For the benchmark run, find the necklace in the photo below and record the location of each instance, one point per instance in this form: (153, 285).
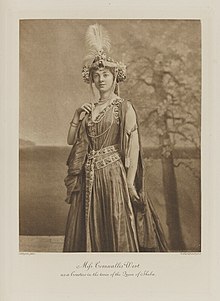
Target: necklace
(102, 101)
(100, 114)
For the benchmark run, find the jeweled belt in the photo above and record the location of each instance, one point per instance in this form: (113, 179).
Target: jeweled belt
(105, 150)
(106, 161)
(95, 160)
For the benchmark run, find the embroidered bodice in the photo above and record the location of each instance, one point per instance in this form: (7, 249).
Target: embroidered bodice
(104, 129)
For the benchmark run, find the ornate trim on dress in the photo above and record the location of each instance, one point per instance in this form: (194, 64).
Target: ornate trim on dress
(115, 102)
(93, 163)
(116, 108)
(89, 170)
(106, 161)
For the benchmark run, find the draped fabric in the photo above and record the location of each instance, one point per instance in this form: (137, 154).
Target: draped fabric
(113, 223)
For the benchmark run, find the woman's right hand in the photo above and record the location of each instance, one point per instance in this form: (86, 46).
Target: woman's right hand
(86, 107)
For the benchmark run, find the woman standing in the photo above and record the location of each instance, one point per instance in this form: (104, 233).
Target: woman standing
(108, 211)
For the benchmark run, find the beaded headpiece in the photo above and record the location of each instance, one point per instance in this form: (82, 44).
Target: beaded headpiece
(98, 43)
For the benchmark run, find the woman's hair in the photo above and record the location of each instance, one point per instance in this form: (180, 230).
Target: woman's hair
(92, 70)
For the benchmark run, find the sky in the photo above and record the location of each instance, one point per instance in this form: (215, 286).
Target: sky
(50, 64)
(51, 85)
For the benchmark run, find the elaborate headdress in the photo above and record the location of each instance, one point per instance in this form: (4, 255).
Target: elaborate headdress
(98, 43)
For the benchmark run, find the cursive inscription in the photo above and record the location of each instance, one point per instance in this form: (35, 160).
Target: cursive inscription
(127, 269)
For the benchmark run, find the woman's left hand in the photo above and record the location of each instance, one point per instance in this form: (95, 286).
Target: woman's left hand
(135, 199)
(132, 192)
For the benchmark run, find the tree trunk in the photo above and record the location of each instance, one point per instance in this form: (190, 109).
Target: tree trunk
(169, 178)
(171, 199)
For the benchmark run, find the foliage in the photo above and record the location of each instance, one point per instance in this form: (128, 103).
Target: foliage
(164, 77)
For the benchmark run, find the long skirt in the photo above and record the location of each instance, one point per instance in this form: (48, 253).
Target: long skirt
(110, 226)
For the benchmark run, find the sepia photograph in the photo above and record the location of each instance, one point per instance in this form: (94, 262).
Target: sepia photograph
(110, 150)
(109, 135)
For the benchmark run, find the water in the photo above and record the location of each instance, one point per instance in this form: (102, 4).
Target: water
(42, 210)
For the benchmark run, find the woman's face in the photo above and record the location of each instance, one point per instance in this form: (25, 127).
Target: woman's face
(103, 79)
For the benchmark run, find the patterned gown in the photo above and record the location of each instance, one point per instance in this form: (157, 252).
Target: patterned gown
(102, 219)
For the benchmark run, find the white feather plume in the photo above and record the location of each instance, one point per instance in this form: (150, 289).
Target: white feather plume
(97, 39)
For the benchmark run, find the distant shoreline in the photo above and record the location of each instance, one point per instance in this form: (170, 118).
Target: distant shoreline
(149, 152)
